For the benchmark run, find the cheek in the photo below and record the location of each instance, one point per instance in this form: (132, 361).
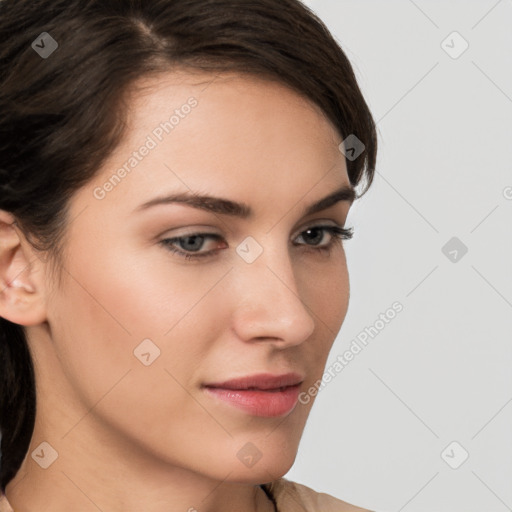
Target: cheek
(97, 326)
(326, 291)
(117, 312)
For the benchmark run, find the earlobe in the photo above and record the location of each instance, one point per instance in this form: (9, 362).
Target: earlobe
(21, 294)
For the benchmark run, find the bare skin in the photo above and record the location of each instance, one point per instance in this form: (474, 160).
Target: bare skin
(132, 437)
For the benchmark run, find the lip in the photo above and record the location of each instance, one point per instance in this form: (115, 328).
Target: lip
(261, 394)
(261, 381)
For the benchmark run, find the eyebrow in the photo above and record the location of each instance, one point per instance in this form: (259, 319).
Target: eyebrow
(242, 210)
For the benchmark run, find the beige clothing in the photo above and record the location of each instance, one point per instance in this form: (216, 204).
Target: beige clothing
(293, 497)
(289, 497)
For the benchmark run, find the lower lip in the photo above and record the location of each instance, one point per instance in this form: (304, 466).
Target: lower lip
(258, 402)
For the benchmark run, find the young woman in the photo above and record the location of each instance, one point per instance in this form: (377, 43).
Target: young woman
(175, 180)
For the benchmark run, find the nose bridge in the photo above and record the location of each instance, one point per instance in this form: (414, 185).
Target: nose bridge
(269, 304)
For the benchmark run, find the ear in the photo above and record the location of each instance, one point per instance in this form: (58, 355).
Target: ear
(22, 291)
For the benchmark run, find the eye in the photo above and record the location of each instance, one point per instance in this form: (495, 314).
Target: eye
(337, 234)
(190, 245)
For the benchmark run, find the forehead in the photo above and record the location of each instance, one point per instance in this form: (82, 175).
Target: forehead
(235, 98)
(226, 135)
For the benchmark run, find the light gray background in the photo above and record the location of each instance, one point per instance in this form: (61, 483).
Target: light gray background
(440, 371)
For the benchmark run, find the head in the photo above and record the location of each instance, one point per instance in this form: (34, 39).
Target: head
(104, 330)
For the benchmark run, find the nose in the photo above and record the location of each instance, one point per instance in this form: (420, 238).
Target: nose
(267, 302)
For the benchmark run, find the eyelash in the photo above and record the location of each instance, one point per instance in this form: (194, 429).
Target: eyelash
(337, 233)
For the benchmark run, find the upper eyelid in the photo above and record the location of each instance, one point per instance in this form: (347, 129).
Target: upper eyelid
(306, 226)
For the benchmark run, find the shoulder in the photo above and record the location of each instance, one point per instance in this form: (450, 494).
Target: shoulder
(291, 495)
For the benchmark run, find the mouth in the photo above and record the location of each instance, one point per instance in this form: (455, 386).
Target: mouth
(261, 381)
(263, 395)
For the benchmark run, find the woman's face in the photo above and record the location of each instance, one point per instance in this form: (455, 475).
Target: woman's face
(137, 330)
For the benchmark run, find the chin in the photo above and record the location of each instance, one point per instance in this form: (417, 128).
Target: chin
(261, 462)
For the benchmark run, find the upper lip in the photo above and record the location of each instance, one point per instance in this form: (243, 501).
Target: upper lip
(260, 381)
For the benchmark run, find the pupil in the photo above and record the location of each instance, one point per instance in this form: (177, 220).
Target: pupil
(317, 231)
(195, 246)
